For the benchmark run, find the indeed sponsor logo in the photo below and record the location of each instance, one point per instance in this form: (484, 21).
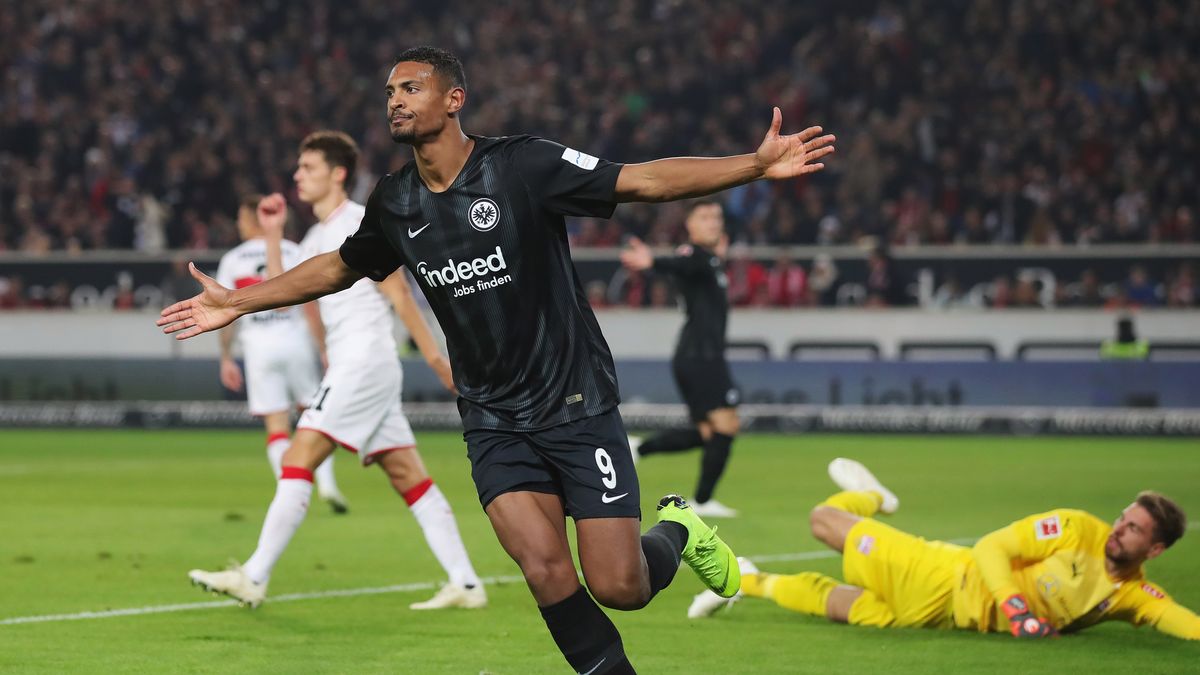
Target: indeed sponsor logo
(456, 272)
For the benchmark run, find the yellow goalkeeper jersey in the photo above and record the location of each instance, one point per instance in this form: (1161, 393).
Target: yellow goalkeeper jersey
(1056, 560)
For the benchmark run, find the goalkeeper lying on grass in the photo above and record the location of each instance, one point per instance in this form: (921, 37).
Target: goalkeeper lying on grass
(1050, 573)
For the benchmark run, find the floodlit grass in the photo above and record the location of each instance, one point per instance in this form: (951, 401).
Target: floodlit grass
(100, 520)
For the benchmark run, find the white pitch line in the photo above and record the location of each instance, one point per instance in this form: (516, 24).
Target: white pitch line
(376, 590)
(287, 597)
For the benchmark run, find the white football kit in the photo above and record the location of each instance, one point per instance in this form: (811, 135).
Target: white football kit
(281, 363)
(357, 405)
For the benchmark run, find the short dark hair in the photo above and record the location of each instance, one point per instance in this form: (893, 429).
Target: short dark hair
(445, 64)
(250, 201)
(696, 204)
(1169, 519)
(339, 150)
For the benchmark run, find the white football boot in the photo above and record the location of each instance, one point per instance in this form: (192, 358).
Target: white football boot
(854, 477)
(706, 603)
(453, 595)
(713, 509)
(336, 501)
(232, 582)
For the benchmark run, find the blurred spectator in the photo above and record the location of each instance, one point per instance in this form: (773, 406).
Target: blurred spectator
(1140, 290)
(885, 286)
(137, 125)
(823, 281)
(1025, 295)
(787, 283)
(1085, 293)
(1182, 290)
(12, 294)
(59, 295)
(747, 278)
(660, 295)
(1000, 295)
(597, 294)
(123, 299)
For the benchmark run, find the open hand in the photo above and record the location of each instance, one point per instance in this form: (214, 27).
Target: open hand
(637, 255)
(793, 155)
(210, 310)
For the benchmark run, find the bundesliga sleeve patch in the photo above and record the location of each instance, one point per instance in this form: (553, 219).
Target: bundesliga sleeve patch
(866, 544)
(579, 159)
(1153, 592)
(1047, 528)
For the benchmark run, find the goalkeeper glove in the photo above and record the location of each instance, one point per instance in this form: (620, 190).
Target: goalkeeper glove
(1022, 622)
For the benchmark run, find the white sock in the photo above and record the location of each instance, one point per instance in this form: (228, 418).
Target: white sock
(277, 444)
(326, 482)
(287, 511)
(433, 513)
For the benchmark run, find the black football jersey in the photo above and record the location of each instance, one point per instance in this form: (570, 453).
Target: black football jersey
(490, 253)
(699, 274)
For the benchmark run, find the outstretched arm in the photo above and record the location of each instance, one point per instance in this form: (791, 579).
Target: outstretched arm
(397, 290)
(777, 158)
(1179, 621)
(217, 306)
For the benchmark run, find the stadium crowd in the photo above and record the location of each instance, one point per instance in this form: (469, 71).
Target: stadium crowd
(782, 283)
(138, 125)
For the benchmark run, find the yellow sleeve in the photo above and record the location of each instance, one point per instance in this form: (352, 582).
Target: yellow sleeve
(1149, 605)
(1029, 539)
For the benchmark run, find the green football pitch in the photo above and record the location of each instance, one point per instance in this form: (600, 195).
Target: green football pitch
(92, 522)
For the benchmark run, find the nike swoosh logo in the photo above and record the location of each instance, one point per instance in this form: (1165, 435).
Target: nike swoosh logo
(413, 233)
(608, 500)
(601, 660)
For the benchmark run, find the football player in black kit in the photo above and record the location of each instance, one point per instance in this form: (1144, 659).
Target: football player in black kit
(479, 222)
(699, 365)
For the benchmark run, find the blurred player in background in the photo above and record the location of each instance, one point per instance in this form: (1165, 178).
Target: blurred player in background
(481, 223)
(1050, 573)
(699, 365)
(281, 363)
(358, 403)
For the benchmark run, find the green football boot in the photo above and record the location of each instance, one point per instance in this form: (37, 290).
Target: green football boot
(708, 556)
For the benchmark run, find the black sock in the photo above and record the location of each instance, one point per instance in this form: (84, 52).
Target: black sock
(674, 440)
(585, 636)
(716, 456)
(662, 546)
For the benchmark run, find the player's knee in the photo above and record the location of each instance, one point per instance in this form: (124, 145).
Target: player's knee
(725, 422)
(404, 467)
(728, 427)
(298, 455)
(820, 521)
(620, 591)
(546, 573)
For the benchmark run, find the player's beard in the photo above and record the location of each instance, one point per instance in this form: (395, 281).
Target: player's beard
(1121, 558)
(407, 137)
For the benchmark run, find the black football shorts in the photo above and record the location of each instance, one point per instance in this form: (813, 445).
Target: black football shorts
(705, 386)
(586, 462)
